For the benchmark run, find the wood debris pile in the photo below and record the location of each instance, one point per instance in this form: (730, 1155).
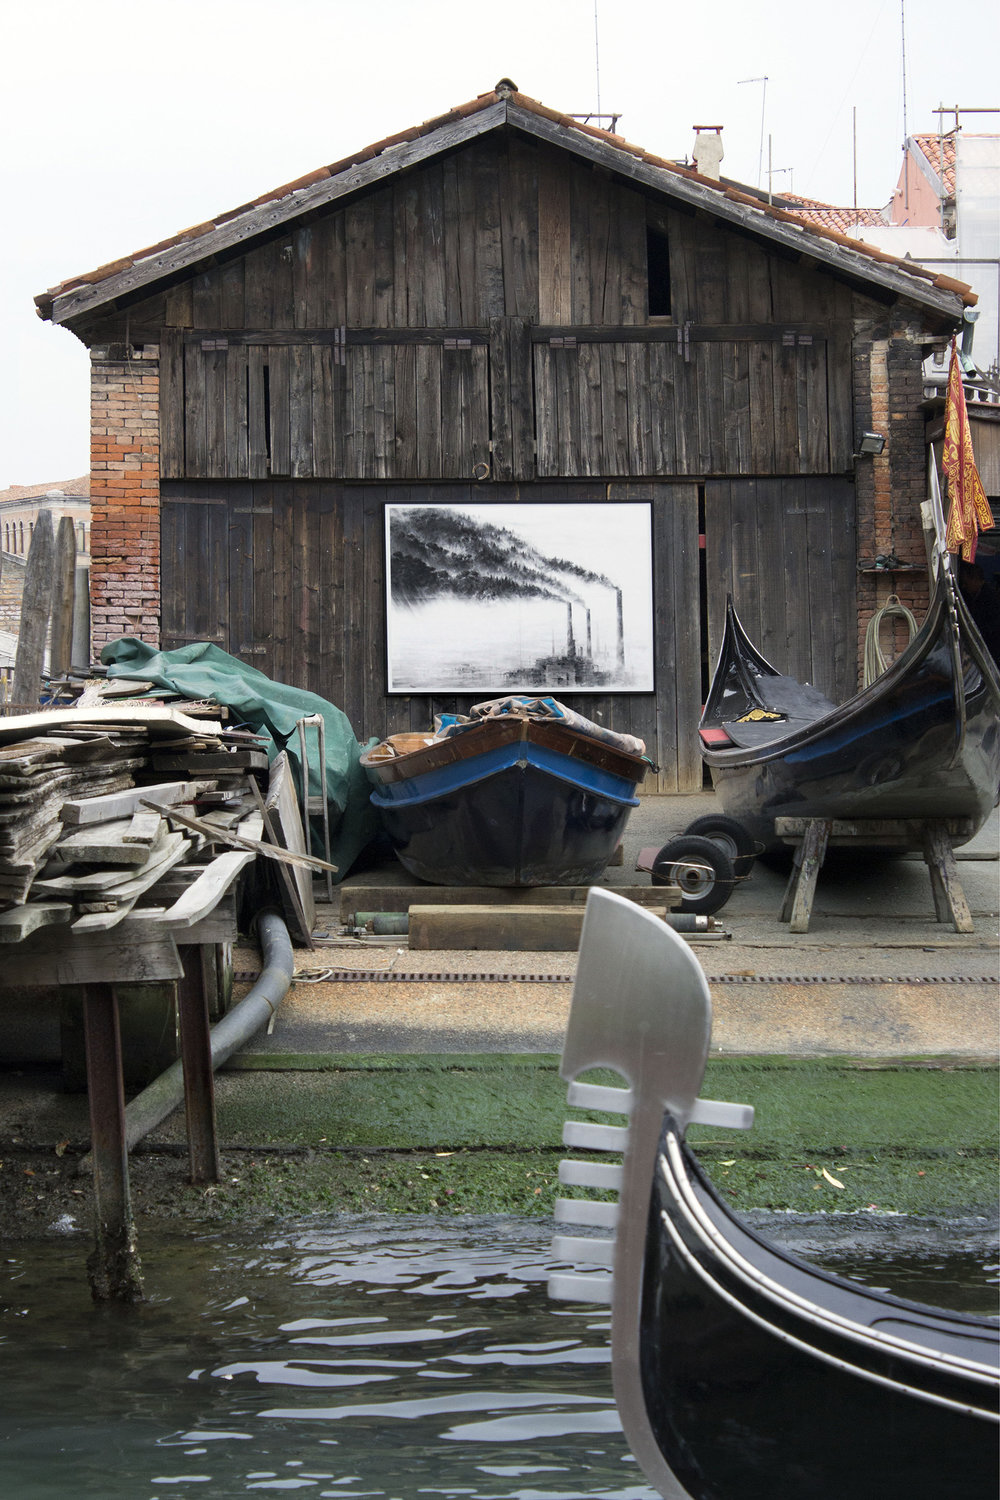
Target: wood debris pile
(78, 842)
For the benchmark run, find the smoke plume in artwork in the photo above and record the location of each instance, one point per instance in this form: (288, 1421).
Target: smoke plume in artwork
(478, 598)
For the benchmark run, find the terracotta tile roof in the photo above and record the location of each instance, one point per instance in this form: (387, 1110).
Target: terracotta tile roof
(828, 217)
(74, 489)
(940, 151)
(571, 126)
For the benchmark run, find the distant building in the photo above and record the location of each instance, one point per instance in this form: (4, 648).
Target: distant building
(21, 503)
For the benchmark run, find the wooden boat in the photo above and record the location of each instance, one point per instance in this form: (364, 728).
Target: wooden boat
(921, 742)
(740, 1371)
(510, 799)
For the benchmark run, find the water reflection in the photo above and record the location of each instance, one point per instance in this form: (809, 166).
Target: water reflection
(389, 1358)
(349, 1357)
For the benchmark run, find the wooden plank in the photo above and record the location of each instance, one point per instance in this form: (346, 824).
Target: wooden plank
(399, 898)
(63, 598)
(20, 921)
(172, 404)
(118, 884)
(428, 397)
(518, 187)
(301, 457)
(238, 841)
(284, 829)
(237, 420)
(195, 411)
(143, 828)
(359, 256)
(490, 299)
(262, 636)
(36, 604)
(279, 410)
(946, 888)
(57, 955)
(535, 929)
(796, 908)
(83, 811)
(555, 290)
(109, 843)
(204, 894)
(258, 434)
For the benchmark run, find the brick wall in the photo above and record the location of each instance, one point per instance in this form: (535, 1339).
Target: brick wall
(124, 494)
(890, 487)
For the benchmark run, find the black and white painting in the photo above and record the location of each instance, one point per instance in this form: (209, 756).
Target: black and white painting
(519, 598)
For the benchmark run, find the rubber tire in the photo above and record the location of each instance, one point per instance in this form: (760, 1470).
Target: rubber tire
(705, 889)
(732, 836)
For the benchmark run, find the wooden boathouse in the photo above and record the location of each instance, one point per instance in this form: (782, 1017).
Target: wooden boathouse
(504, 306)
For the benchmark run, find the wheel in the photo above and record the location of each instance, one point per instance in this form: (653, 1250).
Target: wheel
(701, 868)
(731, 836)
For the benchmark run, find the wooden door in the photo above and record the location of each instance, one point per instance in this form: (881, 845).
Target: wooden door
(786, 550)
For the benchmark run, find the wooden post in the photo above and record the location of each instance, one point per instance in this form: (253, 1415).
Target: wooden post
(796, 908)
(63, 598)
(196, 1058)
(113, 1268)
(36, 604)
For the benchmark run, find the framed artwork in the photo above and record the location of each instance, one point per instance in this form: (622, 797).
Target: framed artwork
(534, 598)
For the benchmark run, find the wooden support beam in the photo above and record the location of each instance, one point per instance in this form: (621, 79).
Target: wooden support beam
(196, 1060)
(36, 604)
(400, 898)
(536, 929)
(113, 1268)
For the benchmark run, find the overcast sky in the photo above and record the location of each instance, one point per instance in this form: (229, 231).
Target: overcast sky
(124, 121)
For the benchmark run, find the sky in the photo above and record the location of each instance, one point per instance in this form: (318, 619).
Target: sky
(125, 121)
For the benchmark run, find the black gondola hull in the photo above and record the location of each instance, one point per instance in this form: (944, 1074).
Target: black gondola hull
(755, 1393)
(922, 742)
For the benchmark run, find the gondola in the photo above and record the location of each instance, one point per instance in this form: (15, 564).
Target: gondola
(740, 1371)
(523, 792)
(921, 742)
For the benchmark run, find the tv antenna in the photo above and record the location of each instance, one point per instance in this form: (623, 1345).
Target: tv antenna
(763, 101)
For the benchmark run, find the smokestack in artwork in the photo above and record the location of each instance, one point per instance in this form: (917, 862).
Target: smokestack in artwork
(621, 629)
(570, 643)
(590, 654)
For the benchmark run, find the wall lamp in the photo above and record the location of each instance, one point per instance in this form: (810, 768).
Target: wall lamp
(870, 445)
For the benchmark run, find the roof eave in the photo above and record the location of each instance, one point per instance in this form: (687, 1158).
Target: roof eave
(864, 266)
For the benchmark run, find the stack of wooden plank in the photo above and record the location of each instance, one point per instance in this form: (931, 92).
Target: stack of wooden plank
(79, 841)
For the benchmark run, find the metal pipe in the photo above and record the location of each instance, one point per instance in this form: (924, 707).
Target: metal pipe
(256, 1008)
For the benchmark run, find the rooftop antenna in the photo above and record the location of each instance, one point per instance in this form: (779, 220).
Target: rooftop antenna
(597, 60)
(595, 114)
(763, 100)
(906, 155)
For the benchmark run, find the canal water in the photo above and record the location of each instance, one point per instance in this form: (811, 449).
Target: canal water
(381, 1357)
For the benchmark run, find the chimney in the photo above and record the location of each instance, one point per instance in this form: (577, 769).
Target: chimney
(708, 151)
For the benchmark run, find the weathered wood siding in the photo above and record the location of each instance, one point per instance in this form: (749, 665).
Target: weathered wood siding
(499, 297)
(786, 550)
(290, 577)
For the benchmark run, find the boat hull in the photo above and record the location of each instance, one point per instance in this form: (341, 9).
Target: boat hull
(922, 742)
(524, 803)
(739, 1370)
(787, 1381)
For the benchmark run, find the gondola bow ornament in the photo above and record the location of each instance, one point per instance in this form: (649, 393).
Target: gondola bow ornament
(728, 1353)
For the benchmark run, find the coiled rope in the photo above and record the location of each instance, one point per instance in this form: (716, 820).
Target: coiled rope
(875, 662)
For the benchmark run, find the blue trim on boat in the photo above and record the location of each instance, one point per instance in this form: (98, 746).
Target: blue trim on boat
(464, 773)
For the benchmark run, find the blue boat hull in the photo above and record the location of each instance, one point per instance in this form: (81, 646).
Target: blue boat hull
(519, 814)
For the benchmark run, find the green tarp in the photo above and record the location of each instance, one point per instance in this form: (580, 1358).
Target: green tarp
(271, 709)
